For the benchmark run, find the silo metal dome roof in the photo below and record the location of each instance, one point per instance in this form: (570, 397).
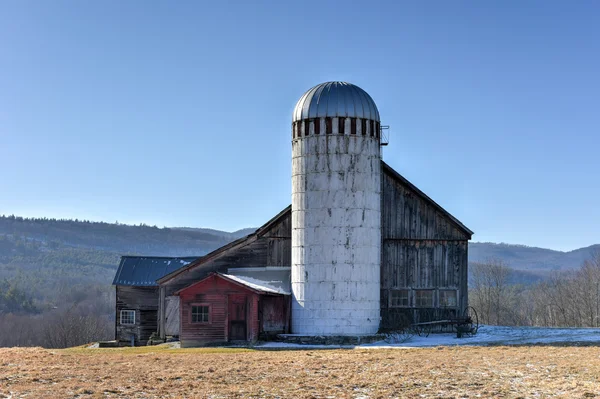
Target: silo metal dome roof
(335, 99)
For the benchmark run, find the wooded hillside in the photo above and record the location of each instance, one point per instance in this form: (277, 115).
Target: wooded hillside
(60, 270)
(44, 260)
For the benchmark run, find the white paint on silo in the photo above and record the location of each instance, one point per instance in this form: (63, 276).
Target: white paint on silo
(336, 216)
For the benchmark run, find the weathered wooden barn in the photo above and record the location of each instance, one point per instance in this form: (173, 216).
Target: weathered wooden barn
(423, 268)
(424, 260)
(137, 295)
(361, 249)
(224, 308)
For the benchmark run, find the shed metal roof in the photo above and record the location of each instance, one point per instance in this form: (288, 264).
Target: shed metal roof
(256, 284)
(143, 271)
(253, 284)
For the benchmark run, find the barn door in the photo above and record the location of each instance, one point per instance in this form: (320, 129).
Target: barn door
(237, 318)
(172, 315)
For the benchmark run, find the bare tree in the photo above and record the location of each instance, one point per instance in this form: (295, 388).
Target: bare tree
(79, 323)
(490, 291)
(565, 299)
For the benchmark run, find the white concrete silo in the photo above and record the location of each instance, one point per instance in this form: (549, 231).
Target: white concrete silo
(336, 215)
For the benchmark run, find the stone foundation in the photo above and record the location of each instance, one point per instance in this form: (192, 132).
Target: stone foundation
(330, 339)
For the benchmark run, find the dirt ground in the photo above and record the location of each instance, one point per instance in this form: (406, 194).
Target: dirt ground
(443, 372)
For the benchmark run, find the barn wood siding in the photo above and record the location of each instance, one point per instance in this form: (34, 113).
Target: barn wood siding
(408, 216)
(144, 300)
(423, 264)
(197, 334)
(217, 293)
(274, 315)
(172, 314)
(422, 248)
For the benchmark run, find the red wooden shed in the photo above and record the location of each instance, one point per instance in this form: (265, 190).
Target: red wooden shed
(224, 308)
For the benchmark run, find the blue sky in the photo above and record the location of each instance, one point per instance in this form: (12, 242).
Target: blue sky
(178, 113)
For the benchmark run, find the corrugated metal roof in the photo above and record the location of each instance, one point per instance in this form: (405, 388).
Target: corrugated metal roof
(335, 99)
(143, 271)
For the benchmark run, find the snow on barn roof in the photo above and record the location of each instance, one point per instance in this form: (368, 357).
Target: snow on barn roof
(255, 284)
(143, 271)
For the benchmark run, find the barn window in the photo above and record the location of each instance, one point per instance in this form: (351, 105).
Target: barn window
(399, 298)
(200, 314)
(448, 298)
(424, 298)
(127, 317)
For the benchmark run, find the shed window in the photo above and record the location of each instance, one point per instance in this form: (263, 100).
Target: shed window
(127, 317)
(448, 298)
(424, 298)
(200, 314)
(399, 298)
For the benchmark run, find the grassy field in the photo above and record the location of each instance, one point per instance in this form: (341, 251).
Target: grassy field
(443, 372)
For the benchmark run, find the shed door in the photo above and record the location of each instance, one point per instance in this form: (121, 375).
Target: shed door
(237, 318)
(172, 315)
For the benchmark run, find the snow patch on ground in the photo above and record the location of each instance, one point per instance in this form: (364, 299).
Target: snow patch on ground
(499, 335)
(487, 335)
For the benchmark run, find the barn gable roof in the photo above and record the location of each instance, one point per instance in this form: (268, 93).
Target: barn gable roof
(241, 242)
(249, 283)
(387, 169)
(143, 271)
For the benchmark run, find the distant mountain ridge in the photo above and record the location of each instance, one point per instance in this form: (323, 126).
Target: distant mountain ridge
(119, 238)
(231, 236)
(532, 259)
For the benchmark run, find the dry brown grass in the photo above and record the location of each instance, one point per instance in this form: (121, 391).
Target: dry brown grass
(456, 372)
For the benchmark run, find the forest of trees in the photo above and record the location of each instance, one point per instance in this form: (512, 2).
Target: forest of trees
(563, 299)
(87, 319)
